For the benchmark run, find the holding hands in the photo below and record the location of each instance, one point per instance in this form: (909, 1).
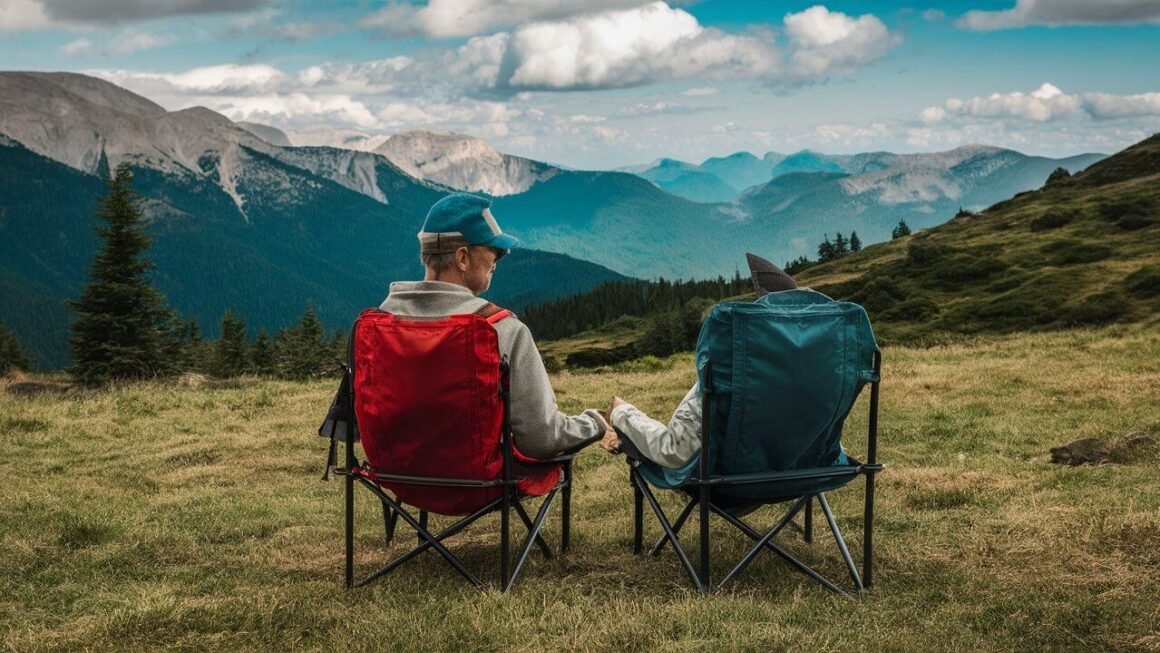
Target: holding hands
(611, 441)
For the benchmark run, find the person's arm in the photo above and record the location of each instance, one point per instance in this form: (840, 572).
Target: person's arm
(539, 428)
(672, 446)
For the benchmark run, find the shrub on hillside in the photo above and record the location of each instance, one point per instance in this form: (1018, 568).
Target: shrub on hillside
(1100, 308)
(963, 270)
(912, 310)
(1073, 252)
(925, 253)
(879, 295)
(1144, 283)
(1051, 220)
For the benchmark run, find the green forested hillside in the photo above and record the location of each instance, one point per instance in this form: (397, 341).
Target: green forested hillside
(301, 239)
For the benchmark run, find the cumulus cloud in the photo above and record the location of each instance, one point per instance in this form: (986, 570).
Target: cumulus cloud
(1063, 12)
(824, 41)
(457, 18)
(1048, 103)
(933, 15)
(701, 91)
(628, 48)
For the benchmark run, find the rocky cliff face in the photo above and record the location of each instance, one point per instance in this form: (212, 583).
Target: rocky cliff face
(463, 162)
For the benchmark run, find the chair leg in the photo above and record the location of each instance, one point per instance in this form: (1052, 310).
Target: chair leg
(533, 535)
(808, 521)
(349, 528)
(868, 533)
(706, 580)
(566, 510)
(677, 525)
(422, 522)
(825, 505)
(504, 537)
(637, 513)
(390, 519)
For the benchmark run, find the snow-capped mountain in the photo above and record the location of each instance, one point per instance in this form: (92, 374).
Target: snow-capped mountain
(463, 162)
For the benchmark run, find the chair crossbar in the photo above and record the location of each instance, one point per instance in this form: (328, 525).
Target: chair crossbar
(394, 509)
(430, 541)
(669, 532)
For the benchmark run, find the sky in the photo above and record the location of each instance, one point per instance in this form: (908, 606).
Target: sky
(606, 83)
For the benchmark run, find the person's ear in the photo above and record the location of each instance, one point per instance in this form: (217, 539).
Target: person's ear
(462, 259)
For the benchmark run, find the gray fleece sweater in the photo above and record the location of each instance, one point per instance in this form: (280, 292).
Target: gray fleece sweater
(539, 428)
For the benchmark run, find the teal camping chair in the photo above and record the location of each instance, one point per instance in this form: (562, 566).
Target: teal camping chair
(778, 377)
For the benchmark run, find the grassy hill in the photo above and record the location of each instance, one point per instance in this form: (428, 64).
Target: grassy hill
(1081, 251)
(213, 531)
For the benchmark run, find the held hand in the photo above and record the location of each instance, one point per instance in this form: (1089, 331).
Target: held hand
(610, 442)
(616, 401)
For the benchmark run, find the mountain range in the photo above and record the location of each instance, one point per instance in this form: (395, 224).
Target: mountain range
(241, 220)
(236, 222)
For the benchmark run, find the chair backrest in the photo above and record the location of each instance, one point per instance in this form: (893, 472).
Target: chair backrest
(428, 404)
(783, 373)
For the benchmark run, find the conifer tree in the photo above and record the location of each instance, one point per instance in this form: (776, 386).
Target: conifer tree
(230, 352)
(826, 250)
(303, 351)
(262, 355)
(901, 230)
(120, 317)
(841, 247)
(12, 355)
(855, 242)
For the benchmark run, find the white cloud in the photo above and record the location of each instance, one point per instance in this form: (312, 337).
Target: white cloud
(1063, 12)
(294, 108)
(933, 15)
(825, 41)
(229, 79)
(125, 42)
(1046, 104)
(457, 18)
(17, 15)
(583, 117)
(702, 91)
(628, 48)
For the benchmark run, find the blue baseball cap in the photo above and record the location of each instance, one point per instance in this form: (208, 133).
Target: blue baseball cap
(459, 220)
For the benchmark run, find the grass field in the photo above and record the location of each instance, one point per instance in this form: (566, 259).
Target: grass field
(191, 516)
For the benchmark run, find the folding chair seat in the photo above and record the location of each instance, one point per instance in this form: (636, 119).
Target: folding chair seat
(429, 401)
(778, 378)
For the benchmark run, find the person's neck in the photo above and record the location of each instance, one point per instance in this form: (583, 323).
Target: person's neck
(446, 276)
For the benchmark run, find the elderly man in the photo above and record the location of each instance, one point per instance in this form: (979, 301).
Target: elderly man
(460, 244)
(673, 446)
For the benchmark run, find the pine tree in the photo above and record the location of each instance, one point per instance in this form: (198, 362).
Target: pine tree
(303, 351)
(230, 352)
(855, 242)
(12, 355)
(901, 230)
(825, 250)
(841, 247)
(262, 355)
(120, 317)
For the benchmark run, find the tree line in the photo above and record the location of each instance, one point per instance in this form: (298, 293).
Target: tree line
(124, 328)
(608, 301)
(832, 250)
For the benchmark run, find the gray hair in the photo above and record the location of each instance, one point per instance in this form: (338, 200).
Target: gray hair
(438, 261)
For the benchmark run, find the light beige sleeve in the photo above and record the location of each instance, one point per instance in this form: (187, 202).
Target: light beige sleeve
(672, 446)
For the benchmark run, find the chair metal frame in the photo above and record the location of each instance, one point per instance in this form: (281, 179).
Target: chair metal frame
(700, 487)
(509, 502)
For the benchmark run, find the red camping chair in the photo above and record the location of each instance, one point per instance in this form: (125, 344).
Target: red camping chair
(431, 398)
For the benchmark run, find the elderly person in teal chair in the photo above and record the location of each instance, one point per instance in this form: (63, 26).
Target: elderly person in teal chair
(675, 445)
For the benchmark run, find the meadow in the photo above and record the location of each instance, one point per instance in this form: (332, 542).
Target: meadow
(189, 515)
